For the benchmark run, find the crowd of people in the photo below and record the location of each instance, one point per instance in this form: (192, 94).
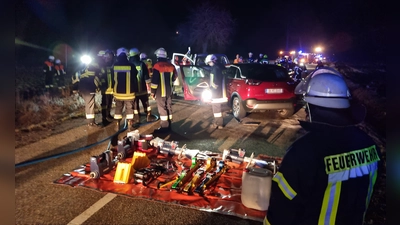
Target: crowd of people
(262, 59)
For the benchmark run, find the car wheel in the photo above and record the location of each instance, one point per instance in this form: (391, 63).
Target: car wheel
(238, 110)
(285, 113)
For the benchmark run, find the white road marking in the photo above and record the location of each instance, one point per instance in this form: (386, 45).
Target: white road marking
(92, 209)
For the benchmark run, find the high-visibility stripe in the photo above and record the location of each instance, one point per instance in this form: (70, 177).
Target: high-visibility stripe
(164, 118)
(89, 116)
(128, 82)
(162, 81)
(266, 222)
(153, 86)
(135, 111)
(217, 114)
(117, 116)
(286, 189)
(372, 180)
(330, 203)
(149, 109)
(129, 116)
(170, 117)
(122, 68)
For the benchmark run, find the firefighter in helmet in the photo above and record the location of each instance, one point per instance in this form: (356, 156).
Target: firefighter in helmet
(106, 87)
(49, 73)
(164, 75)
(143, 81)
(89, 84)
(217, 85)
(125, 87)
(342, 160)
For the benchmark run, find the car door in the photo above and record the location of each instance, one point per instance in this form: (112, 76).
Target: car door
(178, 82)
(232, 81)
(195, 79)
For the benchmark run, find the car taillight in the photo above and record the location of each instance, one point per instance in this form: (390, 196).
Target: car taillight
(252, 82)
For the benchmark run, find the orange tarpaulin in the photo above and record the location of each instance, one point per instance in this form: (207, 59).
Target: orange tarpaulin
(223, 196)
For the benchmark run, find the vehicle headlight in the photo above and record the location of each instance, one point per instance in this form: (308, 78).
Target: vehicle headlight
(206, 95)
(86, 59)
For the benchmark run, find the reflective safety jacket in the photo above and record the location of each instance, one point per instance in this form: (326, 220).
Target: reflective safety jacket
(149, 65)
(48, 68)
(142, 76)
(125, 82)
(326, 177)
(89, 81)
(164, 75)
(59, 70)
(217, 83)
(106, 78)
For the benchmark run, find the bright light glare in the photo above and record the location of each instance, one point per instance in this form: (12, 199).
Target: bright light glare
(86, 59)
(206, 95)
(318, 49)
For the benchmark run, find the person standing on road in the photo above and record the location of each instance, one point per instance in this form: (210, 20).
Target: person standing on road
(328, 175)
(143, 81)
(125, 86)
(89, 84)
(217, 84)
(164, 75)
(106, 87)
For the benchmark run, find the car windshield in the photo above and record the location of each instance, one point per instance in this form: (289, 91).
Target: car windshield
(264, 72)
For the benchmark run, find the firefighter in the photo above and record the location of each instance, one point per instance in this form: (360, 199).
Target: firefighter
(164, 75)
(60, 76)
(89, 84)
(49, 73)
(143, 82)
(106, 86)
(125, 87)
(264, 60)
(149, 64)
(328, 175)
(217, 85)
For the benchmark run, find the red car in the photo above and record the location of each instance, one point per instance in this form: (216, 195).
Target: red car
(253, 87)
(250, 87)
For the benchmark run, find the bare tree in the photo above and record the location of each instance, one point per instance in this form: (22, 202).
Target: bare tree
(208, 27)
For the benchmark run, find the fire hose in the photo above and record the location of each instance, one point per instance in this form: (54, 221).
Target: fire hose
(55, 156)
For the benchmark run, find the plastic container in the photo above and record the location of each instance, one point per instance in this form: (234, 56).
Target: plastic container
(256, 188)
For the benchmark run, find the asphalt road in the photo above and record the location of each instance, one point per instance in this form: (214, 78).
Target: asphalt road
(39, 201)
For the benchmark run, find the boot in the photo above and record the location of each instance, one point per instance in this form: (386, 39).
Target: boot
(117, 125)
(130, 125)
(149, 118)
(92, 124)
(136, 118)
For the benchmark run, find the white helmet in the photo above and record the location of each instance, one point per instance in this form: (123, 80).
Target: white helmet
(143, 55)
(122, 50)
(325, 88)
(58, 61)
(161, 53)
(134, 51)
(51, 57)
(210, 58)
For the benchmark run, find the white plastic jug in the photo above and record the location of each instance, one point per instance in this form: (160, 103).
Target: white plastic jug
(256, 188)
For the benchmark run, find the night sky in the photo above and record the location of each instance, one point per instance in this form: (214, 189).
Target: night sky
(343, 28)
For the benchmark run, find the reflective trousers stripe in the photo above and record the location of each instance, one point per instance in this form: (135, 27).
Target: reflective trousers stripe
(266, 222)
(117, 116)
(129, 116)
(89, 116)
(330, 203)
(217, 114)
(372, 180)
(165, 118)
(286, 189)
